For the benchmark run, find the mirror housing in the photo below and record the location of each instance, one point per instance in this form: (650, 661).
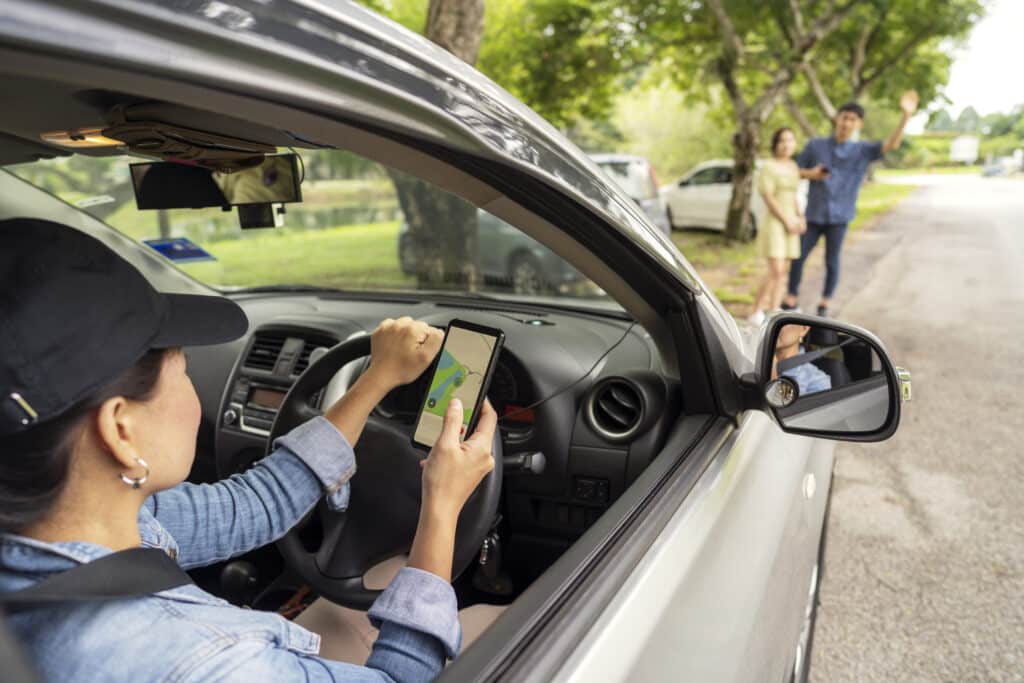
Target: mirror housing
(823, 378)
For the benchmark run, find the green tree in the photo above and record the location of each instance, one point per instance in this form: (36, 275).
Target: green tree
(563, 58)
(882, 48)
(940, 121)
(969, 121)
(442, 227)
(753, 50)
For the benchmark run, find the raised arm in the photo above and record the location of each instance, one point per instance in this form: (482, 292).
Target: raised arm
(908, 105)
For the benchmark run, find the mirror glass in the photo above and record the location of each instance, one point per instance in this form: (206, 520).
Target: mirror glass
(173, 185)
(827, 380)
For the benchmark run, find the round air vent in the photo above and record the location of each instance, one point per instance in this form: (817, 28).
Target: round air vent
(615, 409)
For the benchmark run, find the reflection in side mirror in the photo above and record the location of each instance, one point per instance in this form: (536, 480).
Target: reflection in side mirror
(827, 379)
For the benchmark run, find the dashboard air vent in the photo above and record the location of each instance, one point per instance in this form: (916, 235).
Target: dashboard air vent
(264, 351)
(311, 343)
(616, 409)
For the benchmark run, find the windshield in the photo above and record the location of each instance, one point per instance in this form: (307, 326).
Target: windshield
(359, 226)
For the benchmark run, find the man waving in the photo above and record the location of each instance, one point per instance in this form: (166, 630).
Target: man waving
(836, 166)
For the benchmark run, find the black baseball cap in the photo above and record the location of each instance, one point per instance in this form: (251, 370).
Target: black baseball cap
(74, 315)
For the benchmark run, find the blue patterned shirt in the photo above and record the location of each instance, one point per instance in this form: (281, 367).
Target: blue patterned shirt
(833, 201)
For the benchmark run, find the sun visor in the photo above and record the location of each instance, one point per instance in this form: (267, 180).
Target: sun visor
(16, 150)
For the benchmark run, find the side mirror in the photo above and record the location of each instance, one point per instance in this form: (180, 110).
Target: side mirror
(827, 379)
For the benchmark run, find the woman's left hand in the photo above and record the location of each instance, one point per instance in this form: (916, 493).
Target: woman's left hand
(402, 349)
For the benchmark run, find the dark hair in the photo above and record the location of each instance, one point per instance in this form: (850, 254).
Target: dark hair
(777, 135)
(34, 464)
(852, 107)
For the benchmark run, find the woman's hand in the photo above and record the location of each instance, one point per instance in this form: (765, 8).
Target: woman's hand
(400, 350)
(796, 225)
(450, 474)
(454, 468)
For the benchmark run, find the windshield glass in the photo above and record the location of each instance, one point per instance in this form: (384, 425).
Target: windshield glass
(359, 226)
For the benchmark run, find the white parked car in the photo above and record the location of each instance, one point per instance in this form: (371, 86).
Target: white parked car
(700, 199)
(636, 177)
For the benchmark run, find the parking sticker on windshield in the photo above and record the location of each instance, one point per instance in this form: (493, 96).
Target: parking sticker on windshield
(180, 250)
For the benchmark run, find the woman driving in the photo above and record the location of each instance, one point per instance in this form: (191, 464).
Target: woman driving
(98, 426)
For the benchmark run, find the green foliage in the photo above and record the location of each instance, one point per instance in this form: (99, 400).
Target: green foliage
(1003, 145)
(411, 14)
(939, 121)
(563, 58)
(658, 123)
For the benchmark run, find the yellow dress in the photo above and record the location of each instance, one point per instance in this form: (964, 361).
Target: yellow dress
(780, 180)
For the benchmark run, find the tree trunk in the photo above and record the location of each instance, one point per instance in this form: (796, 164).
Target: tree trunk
(746, 142)
(798, 115)
(442, 235)
(443, 227)
(457, 26)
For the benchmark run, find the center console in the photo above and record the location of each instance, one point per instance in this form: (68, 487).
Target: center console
(267, 368)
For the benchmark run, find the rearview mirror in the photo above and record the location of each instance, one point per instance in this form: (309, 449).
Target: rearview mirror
(173, 185)
(824, 378)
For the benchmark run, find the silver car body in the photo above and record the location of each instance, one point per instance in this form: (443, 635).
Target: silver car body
(703, 572)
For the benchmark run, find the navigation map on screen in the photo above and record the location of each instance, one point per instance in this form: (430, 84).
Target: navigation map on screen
(460, 373)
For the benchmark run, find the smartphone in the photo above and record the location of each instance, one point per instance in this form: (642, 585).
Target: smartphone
(462, 370)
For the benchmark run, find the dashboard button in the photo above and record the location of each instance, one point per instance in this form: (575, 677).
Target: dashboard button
(230, 416)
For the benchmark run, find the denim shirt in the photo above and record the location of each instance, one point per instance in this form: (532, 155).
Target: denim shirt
(187, 634)
(833, 201)
(809, 378)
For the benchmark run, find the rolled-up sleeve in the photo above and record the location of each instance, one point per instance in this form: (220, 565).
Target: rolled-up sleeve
(325, 451)
(420, 601)
(213, 522)
(419, 628)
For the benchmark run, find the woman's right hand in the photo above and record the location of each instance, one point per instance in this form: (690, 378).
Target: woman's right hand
(454, 468)
(796, 225)
(450, 473)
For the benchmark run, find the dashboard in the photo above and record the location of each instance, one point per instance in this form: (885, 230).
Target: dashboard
(596, 431)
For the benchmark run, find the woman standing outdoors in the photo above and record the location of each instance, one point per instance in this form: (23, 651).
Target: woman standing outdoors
(778, 240)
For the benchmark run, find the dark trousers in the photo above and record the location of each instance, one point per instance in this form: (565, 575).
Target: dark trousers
(834, 234)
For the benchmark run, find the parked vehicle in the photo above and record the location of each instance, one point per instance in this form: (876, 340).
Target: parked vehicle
(508, 257)
(662, 475)
(700, 199)
(636, 177)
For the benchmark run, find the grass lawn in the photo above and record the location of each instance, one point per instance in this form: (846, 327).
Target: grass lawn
(934, 170)
(733, 270)
(352, 256)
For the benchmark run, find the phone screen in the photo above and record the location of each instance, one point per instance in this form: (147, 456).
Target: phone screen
(463, 370)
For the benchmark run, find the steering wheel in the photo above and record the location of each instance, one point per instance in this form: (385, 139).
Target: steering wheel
(385, 496)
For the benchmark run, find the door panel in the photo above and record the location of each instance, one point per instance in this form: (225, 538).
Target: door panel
(720, 595)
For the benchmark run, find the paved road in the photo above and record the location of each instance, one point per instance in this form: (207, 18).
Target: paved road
(924, 577)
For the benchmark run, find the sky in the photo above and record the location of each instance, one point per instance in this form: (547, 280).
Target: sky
(986, 73)
(979, 74)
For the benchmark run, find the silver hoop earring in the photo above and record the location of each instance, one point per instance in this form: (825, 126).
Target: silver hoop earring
(136, 482)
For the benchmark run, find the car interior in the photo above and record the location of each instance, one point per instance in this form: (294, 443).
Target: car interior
(584, 397)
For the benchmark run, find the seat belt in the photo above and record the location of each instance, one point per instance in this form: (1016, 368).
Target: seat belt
(130, 573)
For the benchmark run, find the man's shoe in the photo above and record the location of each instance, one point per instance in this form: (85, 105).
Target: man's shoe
(791, 309)
(822, 311)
